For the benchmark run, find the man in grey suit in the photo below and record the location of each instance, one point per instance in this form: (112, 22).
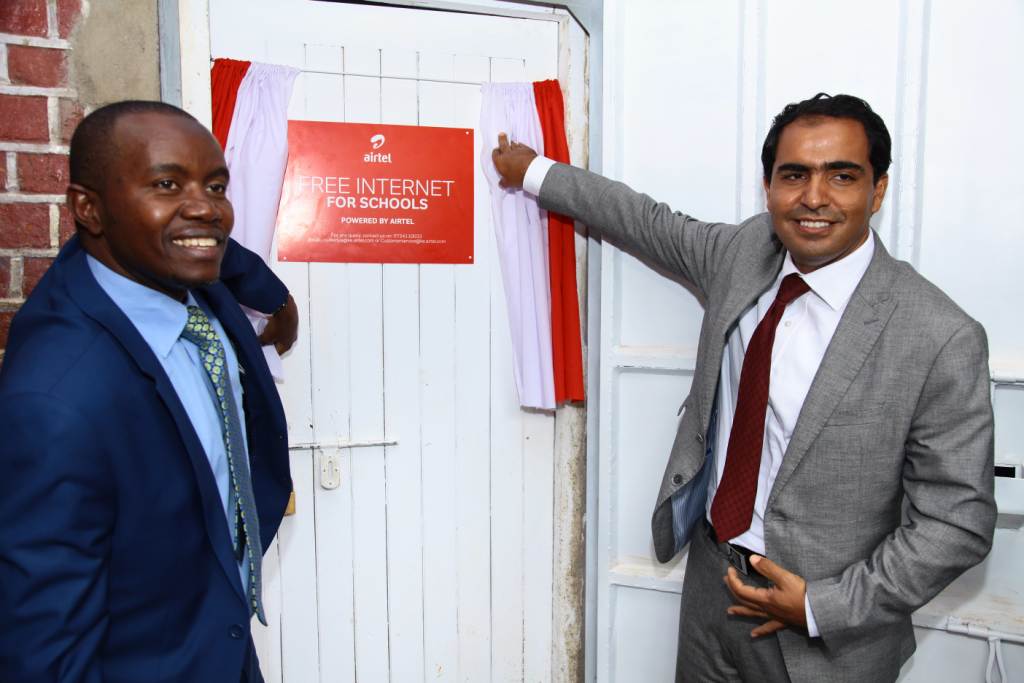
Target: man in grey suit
(834, 460)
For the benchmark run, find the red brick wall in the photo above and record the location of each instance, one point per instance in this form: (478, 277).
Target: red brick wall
(38, 110)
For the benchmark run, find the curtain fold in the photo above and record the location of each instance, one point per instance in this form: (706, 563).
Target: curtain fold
(256, 151)
(522, 243)
(566, 340)
(225, 77)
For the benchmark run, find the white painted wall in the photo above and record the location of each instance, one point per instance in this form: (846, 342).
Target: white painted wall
(690, 89)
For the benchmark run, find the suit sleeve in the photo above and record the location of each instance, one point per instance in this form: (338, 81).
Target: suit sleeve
(250, 280)
(56, 518)
(950, 510)
(650, 230)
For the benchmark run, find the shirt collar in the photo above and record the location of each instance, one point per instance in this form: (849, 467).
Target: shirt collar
(158, 318)
(834, 283)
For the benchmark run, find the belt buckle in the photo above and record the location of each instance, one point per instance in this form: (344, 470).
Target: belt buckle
(733, 554)
(738, 559)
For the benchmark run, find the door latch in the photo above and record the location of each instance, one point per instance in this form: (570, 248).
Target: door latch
(330, 470)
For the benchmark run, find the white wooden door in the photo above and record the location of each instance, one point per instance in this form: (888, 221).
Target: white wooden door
(690, 89)
(433, 559)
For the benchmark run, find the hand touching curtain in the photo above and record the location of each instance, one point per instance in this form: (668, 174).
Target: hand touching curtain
(522, 243)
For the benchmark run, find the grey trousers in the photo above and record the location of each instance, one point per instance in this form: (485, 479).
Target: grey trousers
(714, 646)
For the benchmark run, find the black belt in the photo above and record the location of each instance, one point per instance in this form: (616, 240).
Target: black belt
(737, 555)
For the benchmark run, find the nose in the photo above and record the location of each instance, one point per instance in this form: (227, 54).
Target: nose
(199, 207)
(815, 194)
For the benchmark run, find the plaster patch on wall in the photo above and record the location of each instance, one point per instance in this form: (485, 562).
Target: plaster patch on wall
(115, 53)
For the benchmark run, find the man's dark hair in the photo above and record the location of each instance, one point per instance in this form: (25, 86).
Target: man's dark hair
(92, 146)
(840, 107)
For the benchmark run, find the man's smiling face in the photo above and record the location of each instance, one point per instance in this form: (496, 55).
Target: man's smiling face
(161, 216)
(822, 193)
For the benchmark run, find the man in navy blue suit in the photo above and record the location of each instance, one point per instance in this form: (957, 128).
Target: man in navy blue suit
(143, 449)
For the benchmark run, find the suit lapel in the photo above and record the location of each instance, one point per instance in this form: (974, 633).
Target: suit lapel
(754, 274)
(268, 458)
(863, 320)
(95, 303)
(239, 329)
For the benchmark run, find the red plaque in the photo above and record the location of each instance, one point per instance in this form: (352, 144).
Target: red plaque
(369, 193)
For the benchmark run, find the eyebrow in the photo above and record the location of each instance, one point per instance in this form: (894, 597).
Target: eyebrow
(166, 168)
(828, 166)
(178, 168)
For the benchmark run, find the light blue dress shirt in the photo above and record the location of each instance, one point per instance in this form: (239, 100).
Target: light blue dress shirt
(160, 320)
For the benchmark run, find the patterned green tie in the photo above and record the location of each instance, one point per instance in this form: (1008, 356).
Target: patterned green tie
(241, 501)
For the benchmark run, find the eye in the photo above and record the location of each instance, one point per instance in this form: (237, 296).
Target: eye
(844, 178)
(792, 176)
(166, 184)
(217, 188)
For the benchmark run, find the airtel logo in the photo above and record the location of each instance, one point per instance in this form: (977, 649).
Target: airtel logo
(377, 141)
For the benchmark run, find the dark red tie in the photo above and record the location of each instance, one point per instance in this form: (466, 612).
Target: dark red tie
(733, 505)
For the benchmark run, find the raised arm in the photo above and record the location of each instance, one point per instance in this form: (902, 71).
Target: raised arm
(650, 230)
(255, 285)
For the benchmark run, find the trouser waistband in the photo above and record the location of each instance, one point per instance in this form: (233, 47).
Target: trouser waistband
(737, 555)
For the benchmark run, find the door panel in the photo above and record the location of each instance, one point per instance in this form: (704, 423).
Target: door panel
(432, 559)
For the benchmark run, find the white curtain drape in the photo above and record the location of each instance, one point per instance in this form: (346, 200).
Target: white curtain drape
(257, 153)
(522, 243)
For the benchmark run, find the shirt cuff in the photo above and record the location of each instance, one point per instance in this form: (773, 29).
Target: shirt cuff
(812, 626)
(535, 174)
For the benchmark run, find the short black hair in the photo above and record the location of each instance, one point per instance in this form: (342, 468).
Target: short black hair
(92, 145)
(840, 107)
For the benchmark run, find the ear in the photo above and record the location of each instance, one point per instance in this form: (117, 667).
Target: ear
(879, 194)
(83, 204)
(764, 183)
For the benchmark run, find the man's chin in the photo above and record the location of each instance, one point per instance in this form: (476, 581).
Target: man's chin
(197, 282)
(196, 279)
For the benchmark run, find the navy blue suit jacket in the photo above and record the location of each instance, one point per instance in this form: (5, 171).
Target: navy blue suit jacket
(115, 560)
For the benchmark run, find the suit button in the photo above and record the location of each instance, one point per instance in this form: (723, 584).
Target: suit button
(677, 479)
(236, 631)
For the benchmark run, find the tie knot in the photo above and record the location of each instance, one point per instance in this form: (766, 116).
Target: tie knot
(198, 329)
(792, 286)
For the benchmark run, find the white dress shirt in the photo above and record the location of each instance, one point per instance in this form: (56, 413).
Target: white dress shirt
(803, 335)
(535, 174)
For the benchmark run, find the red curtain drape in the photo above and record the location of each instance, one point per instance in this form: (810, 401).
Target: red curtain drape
(566, 342)
(225, 77)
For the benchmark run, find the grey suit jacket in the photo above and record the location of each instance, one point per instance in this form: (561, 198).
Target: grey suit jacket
(898, 420)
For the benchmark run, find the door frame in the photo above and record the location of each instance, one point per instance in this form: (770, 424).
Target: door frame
(185, 58)
(184, 31)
